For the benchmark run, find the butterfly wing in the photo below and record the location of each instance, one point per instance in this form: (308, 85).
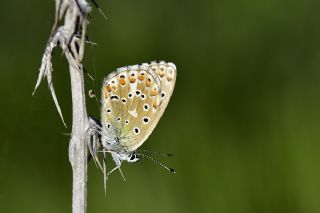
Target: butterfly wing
(134, 99)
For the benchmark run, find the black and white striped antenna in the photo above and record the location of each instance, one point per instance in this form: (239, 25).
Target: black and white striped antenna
(141, 155)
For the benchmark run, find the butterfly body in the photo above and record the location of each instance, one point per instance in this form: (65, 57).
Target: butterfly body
(133, 100)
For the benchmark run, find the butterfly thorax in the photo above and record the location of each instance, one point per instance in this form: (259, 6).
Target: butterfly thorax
(112, 144)
(118, 151)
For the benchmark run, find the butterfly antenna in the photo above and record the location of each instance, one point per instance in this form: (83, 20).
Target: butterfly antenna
(156, 161)
(157, 153)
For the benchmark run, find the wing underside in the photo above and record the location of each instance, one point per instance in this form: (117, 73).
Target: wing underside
(133, 100)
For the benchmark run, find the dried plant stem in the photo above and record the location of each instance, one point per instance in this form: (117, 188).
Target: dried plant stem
(70, 36)
(77, 147)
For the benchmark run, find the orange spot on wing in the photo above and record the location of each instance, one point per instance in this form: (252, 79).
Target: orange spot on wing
(132, 79)
(106, 94)
(122, 81)
(141, 77)
(161, 73)
(108, 88)
(155, 104)
(149, 82)
(154, 92)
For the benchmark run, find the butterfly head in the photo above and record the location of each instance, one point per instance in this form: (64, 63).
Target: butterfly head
(133, 157)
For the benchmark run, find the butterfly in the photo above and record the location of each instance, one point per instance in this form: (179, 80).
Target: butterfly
(133, 100)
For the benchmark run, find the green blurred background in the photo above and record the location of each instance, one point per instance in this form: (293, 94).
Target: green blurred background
(243, 121)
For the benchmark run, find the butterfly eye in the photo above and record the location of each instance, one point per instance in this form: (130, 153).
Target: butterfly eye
(133, 156)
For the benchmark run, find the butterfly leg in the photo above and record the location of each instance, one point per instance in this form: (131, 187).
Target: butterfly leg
(91, 143)
(105, 177)
(94, 140)
(117, 160)
(114, 169)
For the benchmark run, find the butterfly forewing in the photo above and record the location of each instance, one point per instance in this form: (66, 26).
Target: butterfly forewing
(134, 98)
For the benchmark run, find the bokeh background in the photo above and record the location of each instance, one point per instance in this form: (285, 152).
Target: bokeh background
(243, 121)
